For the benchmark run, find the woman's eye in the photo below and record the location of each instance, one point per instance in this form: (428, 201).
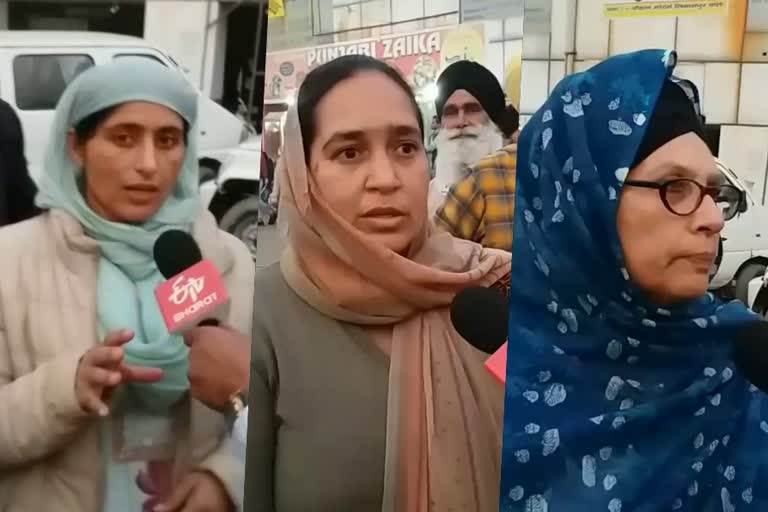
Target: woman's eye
(407, 149)
(348, 154)
(167, 141)
(123, 138)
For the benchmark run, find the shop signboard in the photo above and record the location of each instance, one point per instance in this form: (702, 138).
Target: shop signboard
(419, 56)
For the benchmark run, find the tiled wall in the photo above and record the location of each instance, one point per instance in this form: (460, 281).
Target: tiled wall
(729, 66)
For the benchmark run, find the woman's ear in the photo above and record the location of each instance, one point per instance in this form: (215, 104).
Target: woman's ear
(76, 149)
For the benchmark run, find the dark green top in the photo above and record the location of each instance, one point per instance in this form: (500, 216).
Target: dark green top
(317, 408)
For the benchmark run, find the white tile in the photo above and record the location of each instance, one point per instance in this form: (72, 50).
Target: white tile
(720, 98)
(709, 37)
(631, 34)
(583, 65)
(435, 7)
(376, 12)
(407, 11)
(533, 87)
(556, 73)
(591, 30)
(753, 109)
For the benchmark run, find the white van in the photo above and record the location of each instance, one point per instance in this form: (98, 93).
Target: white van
(36, 67)
(745, 245)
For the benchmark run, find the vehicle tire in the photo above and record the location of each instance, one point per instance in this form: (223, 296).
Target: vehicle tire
(242, 220)
(760, 305)
(745, 275)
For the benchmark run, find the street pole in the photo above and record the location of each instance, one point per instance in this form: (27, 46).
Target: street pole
(254, 72)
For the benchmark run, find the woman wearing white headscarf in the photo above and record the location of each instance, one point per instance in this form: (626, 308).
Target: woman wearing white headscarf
(94, 409)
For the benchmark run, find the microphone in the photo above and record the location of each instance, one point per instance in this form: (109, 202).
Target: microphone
(481, 316)
(750, 354)
(194, 293)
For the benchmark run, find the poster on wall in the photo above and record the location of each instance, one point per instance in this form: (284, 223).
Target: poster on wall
(648, 8)
(419, 56)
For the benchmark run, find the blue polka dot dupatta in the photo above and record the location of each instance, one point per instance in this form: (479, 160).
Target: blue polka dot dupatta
(613, 403)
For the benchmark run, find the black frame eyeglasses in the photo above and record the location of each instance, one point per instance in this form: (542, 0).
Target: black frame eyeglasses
(683, 196)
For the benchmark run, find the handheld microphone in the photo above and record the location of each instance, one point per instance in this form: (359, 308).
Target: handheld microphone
(750, 354)
(481, 316)
(194, 293)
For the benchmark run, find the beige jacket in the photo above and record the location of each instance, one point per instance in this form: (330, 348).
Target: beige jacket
(50, 451)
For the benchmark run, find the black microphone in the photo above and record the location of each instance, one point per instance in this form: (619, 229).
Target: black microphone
(750, 354)
(481, 316)
(175, 251)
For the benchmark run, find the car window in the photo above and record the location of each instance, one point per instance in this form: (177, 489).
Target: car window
(40, 80)
(145, 55)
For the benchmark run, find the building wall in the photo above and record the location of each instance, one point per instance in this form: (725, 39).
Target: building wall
(726, 56)
(200, 55)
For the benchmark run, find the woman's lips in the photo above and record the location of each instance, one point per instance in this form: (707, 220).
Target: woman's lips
(384, 212)
(149, 189)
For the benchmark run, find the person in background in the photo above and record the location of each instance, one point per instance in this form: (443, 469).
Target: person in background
(17, 190)
(473, 121)
(431, 147)
(272, 146)
(94, 407)
(622, 392)
(372, 402)
(481, 206)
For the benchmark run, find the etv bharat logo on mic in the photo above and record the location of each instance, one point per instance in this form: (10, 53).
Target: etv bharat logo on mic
(188, 289)
(191, 296)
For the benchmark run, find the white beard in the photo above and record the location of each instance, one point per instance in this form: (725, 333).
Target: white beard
(456, 153)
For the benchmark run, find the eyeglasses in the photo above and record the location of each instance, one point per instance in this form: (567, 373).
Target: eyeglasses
(683, 196)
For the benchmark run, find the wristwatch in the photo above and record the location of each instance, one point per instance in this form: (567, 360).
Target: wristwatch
(237, 404)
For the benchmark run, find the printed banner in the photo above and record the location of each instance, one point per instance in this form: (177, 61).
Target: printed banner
(419, 56)
(647, 8)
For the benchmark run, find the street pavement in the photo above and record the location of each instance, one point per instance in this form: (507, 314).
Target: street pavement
(269, 245)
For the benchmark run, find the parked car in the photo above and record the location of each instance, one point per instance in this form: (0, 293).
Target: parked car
(745, 245)
(235, 194)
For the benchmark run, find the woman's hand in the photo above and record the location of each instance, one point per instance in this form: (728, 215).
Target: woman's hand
(200, 491)
(219, 364)
(101, 369)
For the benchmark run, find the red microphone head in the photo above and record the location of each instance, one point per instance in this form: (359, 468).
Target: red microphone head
(194, 292)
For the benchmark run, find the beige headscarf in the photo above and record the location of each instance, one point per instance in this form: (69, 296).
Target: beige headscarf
(444, 411)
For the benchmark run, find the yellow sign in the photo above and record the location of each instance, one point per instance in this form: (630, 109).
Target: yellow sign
(648, 8)
(276, 9)
(465, 42)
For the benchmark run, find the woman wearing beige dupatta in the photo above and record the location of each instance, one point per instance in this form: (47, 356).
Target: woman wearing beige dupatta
(363, 397)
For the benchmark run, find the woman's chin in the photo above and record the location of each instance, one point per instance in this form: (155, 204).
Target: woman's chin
(395, 241)
(683, 289)
(132, 214)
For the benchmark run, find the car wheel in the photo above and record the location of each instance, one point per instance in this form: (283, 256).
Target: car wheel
(745, 275)
(242, 220)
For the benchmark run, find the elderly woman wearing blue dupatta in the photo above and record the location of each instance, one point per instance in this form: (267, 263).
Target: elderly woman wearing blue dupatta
(95, 414)
(621, 392)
